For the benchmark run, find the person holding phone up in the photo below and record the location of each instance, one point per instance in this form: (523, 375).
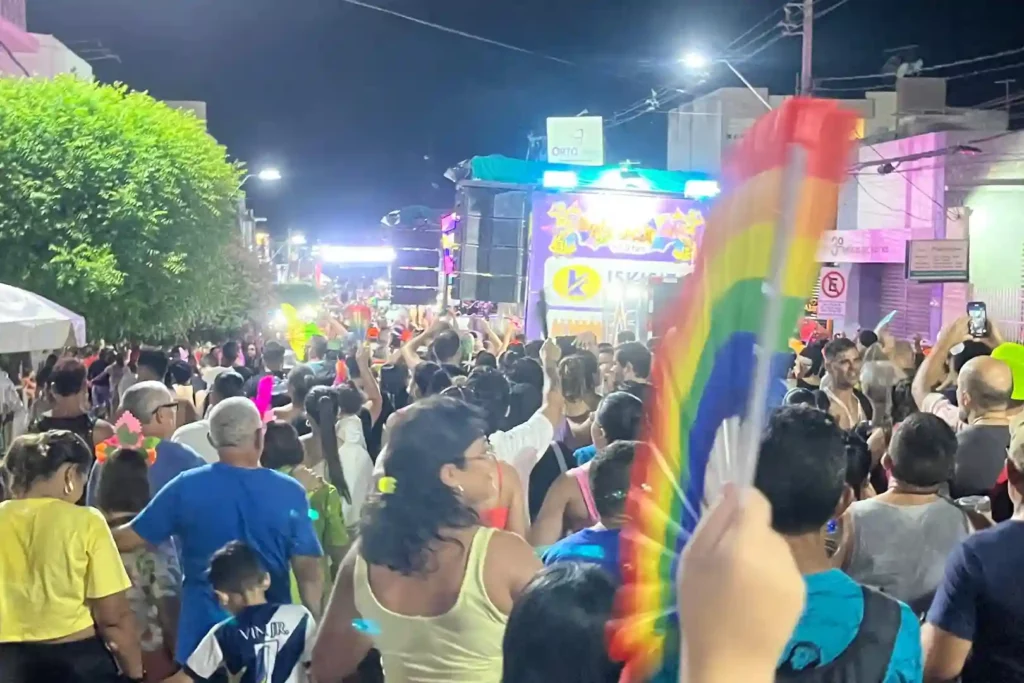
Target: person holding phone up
(980, 418)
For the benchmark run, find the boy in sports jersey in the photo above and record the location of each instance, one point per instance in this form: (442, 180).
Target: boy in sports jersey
(262, 641)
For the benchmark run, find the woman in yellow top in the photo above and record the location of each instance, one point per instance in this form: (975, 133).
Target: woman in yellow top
(63, 588)
(425, 583)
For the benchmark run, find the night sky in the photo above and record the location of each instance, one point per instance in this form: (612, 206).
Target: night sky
(363, 111)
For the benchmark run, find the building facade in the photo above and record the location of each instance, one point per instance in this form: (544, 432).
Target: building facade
(922, 171)
(33, 54)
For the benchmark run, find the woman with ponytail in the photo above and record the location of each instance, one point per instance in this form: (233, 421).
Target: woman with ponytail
(425, 583)
(336, 448)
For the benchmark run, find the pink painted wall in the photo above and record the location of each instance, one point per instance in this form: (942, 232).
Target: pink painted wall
(13, 34)
(910, 197)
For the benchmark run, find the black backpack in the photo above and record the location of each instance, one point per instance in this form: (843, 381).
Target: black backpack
(866, 659)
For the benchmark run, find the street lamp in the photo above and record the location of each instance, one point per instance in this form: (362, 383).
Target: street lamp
(695, 61)
(266, 175)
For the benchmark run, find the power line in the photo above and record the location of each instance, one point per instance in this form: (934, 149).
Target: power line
(971, 74)
(740, 60)
(749, 43)
(462, 34)
(819, 15)
(654, 108)
(753, 28)
(962, 62)
(1005, 67)
(876, 200)
(15, 59)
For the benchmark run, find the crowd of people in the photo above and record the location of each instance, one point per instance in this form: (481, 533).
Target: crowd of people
(451, 511)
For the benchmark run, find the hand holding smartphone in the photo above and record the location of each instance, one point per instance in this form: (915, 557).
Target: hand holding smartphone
(977, 319)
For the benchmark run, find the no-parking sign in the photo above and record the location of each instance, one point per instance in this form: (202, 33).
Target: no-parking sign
(833, 287)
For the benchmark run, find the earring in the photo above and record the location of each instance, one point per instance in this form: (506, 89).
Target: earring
(461, 490)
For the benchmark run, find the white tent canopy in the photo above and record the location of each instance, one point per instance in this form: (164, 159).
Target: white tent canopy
(28, 322)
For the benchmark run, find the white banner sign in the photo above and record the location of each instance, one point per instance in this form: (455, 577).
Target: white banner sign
(938, 260)
(577, 140)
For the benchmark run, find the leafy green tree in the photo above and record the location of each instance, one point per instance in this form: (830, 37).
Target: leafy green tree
(120, 208)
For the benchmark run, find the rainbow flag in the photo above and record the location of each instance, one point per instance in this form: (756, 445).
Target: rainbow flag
(718, 368)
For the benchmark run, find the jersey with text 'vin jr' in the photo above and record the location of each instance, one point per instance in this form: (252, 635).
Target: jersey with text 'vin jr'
(261, 644)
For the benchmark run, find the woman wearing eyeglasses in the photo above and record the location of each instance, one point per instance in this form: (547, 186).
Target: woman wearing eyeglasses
(63, 596)
(426, 583)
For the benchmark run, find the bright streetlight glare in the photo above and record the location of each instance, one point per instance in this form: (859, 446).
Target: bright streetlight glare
(696, 61)
(297, 239)
(269, 174)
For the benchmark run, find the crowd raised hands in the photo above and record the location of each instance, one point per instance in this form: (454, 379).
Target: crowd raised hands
(452, 512)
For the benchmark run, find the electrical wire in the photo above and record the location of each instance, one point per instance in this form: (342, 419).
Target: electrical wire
(15, 59)
(754, 40)
(1005, 67)
(819, 15)
(653, 109)
(750, 30)
(937, 67)
(759, 50)
(876, 200)
(462, 34)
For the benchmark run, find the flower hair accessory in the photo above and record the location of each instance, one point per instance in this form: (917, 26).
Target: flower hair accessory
(387, 485)
(127, 434)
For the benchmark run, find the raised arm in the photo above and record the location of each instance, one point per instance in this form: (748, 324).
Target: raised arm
(933, 368)
(368, 384)
(410, 348)
(553, 406)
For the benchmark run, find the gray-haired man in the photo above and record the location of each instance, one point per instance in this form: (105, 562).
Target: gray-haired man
(154, 406)
(233, 499)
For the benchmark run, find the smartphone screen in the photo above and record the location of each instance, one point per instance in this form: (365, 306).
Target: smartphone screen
(353, 366)
(977, 319)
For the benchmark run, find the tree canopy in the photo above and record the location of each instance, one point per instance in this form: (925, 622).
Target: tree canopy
(121, 209)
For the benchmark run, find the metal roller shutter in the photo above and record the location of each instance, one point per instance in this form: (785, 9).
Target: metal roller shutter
(910, 299)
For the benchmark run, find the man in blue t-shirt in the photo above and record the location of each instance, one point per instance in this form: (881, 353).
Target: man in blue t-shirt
(609, 482)
(801, 469)
(155, 407)
(978, 608)
(232, 500)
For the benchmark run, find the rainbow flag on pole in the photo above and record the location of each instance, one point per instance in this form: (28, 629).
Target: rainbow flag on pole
(714, 372)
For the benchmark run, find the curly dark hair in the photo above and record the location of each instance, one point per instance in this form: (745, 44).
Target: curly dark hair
(398, 528)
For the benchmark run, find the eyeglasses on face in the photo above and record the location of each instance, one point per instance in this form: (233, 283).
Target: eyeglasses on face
(171, 406)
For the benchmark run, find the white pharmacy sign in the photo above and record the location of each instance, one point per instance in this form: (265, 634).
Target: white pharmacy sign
(577, 140)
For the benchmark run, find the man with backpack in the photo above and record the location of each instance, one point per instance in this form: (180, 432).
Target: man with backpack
(848, 633)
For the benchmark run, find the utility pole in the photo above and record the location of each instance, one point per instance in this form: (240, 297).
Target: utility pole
(1007, 82)
(808, 45)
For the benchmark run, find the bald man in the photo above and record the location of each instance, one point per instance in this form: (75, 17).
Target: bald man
(984, 388)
